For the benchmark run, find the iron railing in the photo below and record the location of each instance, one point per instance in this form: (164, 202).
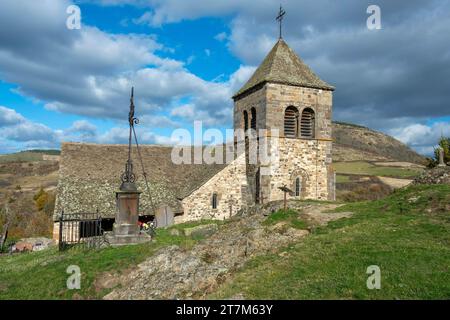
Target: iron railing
(80, 229)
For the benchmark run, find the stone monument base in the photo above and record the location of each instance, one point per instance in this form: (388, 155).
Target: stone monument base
(121, 240)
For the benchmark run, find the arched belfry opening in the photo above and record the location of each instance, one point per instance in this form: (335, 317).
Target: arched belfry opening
(291, 122)
(307, 123)
(245, 121)
(253, 120)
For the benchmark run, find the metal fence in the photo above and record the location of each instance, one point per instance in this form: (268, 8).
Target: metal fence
(80, 229)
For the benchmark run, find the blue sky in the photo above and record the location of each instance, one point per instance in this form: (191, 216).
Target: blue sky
(187, 58)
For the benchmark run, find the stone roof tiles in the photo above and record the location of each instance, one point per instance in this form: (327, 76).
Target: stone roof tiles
(90, 174)
(282, 65)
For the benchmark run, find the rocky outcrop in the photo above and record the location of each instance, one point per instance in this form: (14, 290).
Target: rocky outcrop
(177, 273)
(438, 175)
(205, 230)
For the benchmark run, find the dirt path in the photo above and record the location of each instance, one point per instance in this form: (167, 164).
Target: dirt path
(394, 182)
(175, 273)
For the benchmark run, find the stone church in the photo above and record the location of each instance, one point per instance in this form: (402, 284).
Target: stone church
(283, 94)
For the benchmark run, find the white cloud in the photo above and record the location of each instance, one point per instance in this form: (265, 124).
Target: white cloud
(222, 36)
(89, 72)
(26, 134)
(9, 117)
(83, 126)
(15, 127)
(422, 137)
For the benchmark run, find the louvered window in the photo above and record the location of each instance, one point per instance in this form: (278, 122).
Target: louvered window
(307, 124)
(291, 122)
(253, 122)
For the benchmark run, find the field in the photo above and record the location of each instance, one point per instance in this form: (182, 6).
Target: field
(27, 156)
(364, 180)
(378, 169)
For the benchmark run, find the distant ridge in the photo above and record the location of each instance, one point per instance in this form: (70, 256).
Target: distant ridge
(354, 142)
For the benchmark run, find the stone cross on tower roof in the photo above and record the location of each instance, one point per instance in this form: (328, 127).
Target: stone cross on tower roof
(280, 17)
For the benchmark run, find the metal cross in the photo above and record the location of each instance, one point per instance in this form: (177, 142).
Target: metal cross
(128, 175)
(280, 17)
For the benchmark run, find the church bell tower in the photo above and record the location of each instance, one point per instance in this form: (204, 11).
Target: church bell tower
(285, 95)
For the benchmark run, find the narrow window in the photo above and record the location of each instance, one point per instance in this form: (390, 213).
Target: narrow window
(257, 186)
(297, 187)
(214, 201)
(253, 122)
(291, 122)
(245, 121)
(308, 123)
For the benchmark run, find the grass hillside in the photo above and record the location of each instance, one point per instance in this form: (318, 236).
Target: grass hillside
(28, 156)
(406, 234)
(42, 275)
(356, 143)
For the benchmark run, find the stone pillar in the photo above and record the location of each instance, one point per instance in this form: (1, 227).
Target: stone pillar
(126, 228)
(127, 213)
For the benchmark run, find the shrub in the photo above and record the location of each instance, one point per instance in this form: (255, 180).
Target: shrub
(444, 143)
(40, 199)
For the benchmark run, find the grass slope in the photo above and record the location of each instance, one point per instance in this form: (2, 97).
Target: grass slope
(42, 275)
(407, 235)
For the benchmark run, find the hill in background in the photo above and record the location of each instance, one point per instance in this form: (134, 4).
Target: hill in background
(355, 143)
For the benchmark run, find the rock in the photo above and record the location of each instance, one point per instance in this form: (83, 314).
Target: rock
(280, 227)
(237, 296)
(32, 244)
(297, 233)
(175, 232)
(178, 273)
(106, 281)
(205, 230)
(438, 175)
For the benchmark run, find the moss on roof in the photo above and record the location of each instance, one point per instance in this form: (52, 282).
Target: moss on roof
(90, 174)
(282, 65)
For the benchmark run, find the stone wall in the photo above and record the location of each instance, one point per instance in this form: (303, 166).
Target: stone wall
(255, 100)
(230, 182)
(279, 97)
(310, 160)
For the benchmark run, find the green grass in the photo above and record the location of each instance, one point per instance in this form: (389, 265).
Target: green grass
(42, 275)
(342, 178)
(290, 216)
(406, 234)
(365, 168)
(21, 157)
(27, 156)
